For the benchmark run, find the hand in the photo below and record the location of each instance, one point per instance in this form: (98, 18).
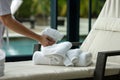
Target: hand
(46, 40)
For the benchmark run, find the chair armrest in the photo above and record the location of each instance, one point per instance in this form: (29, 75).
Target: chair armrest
(101, 63)
(36, 47)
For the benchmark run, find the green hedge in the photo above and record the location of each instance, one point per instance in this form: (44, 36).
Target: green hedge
(42, 7)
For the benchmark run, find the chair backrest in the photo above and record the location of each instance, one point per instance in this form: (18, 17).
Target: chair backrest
(105, 34)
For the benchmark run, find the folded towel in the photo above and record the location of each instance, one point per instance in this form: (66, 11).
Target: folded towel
(56, 49)
(55, 34)
(67, 62)
(56, 60)
(39, 58)
(73, 55)
(2, 60)
(85, 59)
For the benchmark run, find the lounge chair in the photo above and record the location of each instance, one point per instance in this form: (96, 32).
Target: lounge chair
(103, 41)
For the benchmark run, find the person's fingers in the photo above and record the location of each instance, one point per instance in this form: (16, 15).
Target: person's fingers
(50, 39)
(47, 41)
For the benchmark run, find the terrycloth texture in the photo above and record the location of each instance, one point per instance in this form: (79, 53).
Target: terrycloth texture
(39, 58)
(2, 60)
(56, 49)
(56, 53)
(73, 55)
(55, 34)
(59, 54)
(85, 59)
(56, 60)
(67, 62)
(25, 70)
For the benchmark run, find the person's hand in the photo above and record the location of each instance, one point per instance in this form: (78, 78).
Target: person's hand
(46, 40)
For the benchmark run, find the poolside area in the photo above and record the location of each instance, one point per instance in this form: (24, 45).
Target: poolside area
(21, 45)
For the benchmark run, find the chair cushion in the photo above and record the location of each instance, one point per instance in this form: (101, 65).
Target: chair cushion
(26, 70)
(105, 34)
(102, 40)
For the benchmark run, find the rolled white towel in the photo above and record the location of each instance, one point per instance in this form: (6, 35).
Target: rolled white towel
(73, 55)
(85, 59)
(55, 34)
(56, 49)
(2, 61)
(56, 60)
(67, 62)
(39, 58)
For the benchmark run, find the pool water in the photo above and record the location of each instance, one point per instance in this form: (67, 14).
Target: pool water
(19, 46)
(22, 46)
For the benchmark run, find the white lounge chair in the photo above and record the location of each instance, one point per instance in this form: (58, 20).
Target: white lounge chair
(102, 41)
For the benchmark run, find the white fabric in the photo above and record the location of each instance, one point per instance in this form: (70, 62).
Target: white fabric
(5, 7)
(2, 60)
(56, 53)
(39, 59)
(15, 5)
(56, 49)
(73, 55)
(105, 35)
(109, 16)
(111, 9)
(59, 54)
(55, 34)
(94, 44)
(85, 59)
(1, 33)
(68, 62)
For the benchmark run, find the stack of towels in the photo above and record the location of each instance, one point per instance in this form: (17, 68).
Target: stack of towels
(2, 60)
(60, 54)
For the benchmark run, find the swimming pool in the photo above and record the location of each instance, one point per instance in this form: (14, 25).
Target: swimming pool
(19, 46)
(23, 46)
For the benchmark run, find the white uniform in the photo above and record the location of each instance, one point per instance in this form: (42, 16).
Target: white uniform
(4, 9)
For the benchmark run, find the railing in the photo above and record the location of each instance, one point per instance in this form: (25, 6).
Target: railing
(72, 18)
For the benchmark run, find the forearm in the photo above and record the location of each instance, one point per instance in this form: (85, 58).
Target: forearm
(19, 28)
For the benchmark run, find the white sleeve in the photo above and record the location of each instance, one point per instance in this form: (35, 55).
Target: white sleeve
(5, 7)
(15, 5)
